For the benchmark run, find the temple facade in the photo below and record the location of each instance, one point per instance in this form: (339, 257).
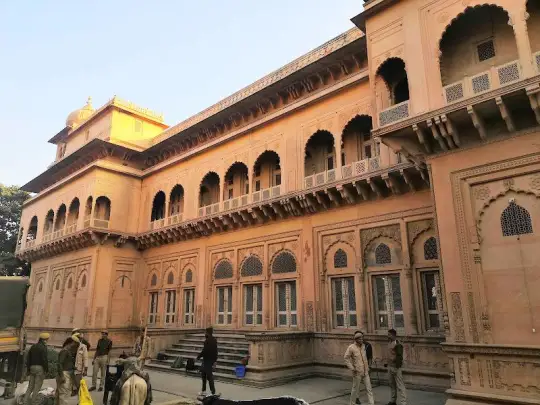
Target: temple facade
(387, 179)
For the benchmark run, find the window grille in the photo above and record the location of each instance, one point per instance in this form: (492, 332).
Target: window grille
(515, 220)
(153, 308)
(387, 302)
(286, 304)
(83, 281)
(170, 307)
(224, 270)
(431, 293)
(485, 50)
(430, 249)
(224, 310)
(340, 259)
(57, 285)
(153, 282)
(253, 305)
(481, 83)
(189, 306)
(252, 266)
(189, 276)
(284, 263)
(40, 288)
(344, 301)
(70, 283)
(383, 254)
(170, 278)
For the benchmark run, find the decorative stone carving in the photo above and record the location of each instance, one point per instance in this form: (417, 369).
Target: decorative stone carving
(369, 235)
(417, 227)
(481, 192)
(472, 316)
(517, 376)
(464, 371)
(457, 315)
(309, 316)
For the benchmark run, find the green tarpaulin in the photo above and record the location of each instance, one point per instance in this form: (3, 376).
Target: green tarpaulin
(12, 301)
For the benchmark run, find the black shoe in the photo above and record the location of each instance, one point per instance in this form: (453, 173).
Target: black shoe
(101, 389)
(358, 402)
(92, 388)
(391, 403)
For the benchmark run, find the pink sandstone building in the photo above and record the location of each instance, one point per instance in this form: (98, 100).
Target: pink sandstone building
(387, 179)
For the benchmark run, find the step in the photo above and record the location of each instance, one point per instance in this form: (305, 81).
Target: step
(219, 368)
(217, 375)
(194, 353)
(221, 341)
(172, 356)
(218, 335)
(221, 349)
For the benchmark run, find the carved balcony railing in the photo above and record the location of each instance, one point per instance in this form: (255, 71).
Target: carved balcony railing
(174, 219)
(209, 209)
(536, 59)
(319, 179)
(266, 194)
(30, 243)
(236, 202)
(361, 167)
(71, 228)
(87, 221)
(58, 234)
(496, 77)
(100, 223)
(47, 236)
(157, 223)
(395, 113)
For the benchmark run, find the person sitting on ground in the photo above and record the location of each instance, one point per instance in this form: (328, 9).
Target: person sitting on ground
(133, 387)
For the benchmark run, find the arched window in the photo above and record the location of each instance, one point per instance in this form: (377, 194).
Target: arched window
(40, 287)
(223, 270)
(60, 220)
(430, 249)
(153, 281)
(284, 263)
(103, 209)
(340, 259)
(382, 254)
(515, 220)
(394, 75)
(209, 190)
(57, 287)
(83, 281)
(266, 171)
(189, 276)
(176, 204)
(158, 206)
(319, 153)
(170, 278)
(32, 230)
(357, 145)
(236, 181)
(73, 215)
(252, 266)
(70, 283)
(49, 222)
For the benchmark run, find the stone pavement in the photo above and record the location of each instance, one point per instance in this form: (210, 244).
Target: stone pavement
(321, 391)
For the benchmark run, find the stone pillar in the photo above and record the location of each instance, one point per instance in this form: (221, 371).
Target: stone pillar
(267, 304)
(407, 296)
(364, 298)
(339, 163)
(518, 21)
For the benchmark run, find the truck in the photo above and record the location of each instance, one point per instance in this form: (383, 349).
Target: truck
(13, 292)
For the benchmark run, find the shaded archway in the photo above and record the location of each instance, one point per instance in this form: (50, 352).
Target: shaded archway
(266, 171)
(102, 212)
(88, 211)
(357, 142)
(158, 206)
(533, 28)
(49, 223)
(209, 190)
(394, 75)
(60, 221)
(474, 42)
(236, 181)
(73, 215)
(32, 230)
(176, 202)
(320, 153)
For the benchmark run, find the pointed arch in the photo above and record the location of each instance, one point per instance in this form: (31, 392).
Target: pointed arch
(102, 210)
(32, 229)
(73, 215)
(236, 181)
(88, 207)
(340, 259)
(209, 189)
(223, 270)
(170, 277)
(176, 200)
(356, 140)
(515, 220)
(319, 153)
(284, 261)
(158, 206)
(60, 221)
(48, 223)
(251, 266)
(383, 254)
(393, 74)
(266, 171)
(153, 280)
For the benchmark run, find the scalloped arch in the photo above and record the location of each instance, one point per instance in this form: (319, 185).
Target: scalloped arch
(373, 239)
(206, 175)
(275, 255)
(337, 242)
(249, 256)
(266, 151)
(236, 162)
(440, 34)
(384, 61)
(494, 198)
(334, 139)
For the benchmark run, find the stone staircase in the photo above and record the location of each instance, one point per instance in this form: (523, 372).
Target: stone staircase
(232, 349)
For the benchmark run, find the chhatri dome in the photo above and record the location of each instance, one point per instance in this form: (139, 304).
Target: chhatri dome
(77, 117)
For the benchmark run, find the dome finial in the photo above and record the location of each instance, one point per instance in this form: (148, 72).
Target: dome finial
(89, 101)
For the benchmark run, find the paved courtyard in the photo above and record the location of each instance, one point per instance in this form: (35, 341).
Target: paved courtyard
(173, 387)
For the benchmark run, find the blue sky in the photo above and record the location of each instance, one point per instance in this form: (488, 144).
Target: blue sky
(173, 56)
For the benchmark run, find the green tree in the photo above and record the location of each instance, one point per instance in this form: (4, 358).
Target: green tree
(11, 200)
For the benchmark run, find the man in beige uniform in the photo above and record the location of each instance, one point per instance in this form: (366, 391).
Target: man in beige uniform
(356, 361)
(395, 362)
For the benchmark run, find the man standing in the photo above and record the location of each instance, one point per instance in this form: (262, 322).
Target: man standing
(209, 355)
(395, 362)
(101, 359)
(37, 367)
(81, 362)
(66, 364)
(356, 361)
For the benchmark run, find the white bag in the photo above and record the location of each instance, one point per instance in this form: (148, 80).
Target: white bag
(20, 391)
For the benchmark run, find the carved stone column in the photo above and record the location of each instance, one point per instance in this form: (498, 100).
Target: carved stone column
(518, 21)
(407, 296)
(363, 298)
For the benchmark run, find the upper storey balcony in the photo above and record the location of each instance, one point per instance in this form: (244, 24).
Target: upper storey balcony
(489, 60)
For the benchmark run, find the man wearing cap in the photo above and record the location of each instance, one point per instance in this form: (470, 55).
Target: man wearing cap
(37, 367)
(66, 365)
(101, 359)
(356, 361)
(81, 362)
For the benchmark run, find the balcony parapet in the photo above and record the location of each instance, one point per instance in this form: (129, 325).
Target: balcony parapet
(395, 113)
(370, 185)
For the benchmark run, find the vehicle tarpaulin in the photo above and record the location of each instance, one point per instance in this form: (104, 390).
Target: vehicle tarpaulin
(12, 301)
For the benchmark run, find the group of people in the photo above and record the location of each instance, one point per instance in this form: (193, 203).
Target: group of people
(359, 357)
(72, 364)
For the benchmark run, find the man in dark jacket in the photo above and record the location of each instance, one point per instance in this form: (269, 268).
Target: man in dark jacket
(395, 376)
(209, 355)
(37, 366)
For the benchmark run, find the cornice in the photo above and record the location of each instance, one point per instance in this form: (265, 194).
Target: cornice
(277, 336)
(491, 350)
